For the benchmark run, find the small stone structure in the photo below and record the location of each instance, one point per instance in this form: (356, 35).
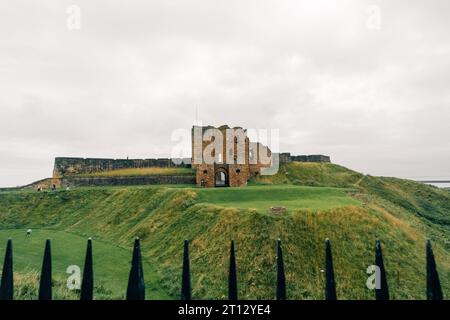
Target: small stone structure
(277, 210)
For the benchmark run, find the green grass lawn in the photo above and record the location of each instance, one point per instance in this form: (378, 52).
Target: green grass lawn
(262, 197)
(111, 264)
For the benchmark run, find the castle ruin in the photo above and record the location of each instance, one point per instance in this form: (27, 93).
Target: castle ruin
(221, 157)
(233, 161)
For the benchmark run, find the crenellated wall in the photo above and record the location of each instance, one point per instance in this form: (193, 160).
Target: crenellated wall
(286, 157)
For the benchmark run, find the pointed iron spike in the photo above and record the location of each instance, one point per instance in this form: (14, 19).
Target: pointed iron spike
(281, 279)
(7, 284)
(186, 274)
(232, 276)
(383, 292)
(87, 285)
(45, 282)
(136, 283)
(330, 283)
(434, 289)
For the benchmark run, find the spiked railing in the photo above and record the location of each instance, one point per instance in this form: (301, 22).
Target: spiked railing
(136, 284)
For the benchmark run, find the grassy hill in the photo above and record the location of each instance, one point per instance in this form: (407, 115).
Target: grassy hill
(322, 200)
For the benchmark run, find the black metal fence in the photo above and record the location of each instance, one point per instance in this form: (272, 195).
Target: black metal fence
(136, 285)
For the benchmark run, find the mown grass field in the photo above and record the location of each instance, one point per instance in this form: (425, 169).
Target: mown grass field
(261, 198)
(323, 201)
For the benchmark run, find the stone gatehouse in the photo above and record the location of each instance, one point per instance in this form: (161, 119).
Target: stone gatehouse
(233, 161)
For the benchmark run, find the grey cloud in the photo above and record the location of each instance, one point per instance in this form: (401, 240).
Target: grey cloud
(375, 100)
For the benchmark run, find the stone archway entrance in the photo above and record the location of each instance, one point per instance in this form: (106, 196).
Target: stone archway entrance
(221, 178)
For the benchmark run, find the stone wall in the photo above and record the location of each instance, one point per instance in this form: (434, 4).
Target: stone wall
(125, 181)
(43, 183)
(286, 157)
(74, 166)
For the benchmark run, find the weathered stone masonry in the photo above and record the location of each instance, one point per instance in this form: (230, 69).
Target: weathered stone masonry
(225, 173)
(125, 181)
(76, 166)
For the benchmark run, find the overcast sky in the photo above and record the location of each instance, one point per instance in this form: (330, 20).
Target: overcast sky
(366, 82)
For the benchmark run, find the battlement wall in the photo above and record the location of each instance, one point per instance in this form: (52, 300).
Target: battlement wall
(286, 157)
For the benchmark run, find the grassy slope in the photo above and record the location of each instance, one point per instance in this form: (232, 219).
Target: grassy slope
(400, 213)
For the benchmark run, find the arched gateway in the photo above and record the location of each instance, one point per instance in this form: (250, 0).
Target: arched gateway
(221, 178)
(230, 148)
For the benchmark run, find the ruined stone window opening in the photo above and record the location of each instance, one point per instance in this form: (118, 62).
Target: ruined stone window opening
(251, 155)
(238, 171)
(205, 171)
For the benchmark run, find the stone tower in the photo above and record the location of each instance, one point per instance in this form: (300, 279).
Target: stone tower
(225, 156)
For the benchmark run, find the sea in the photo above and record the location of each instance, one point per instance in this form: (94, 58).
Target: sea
(445, 185)
(442, 182)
